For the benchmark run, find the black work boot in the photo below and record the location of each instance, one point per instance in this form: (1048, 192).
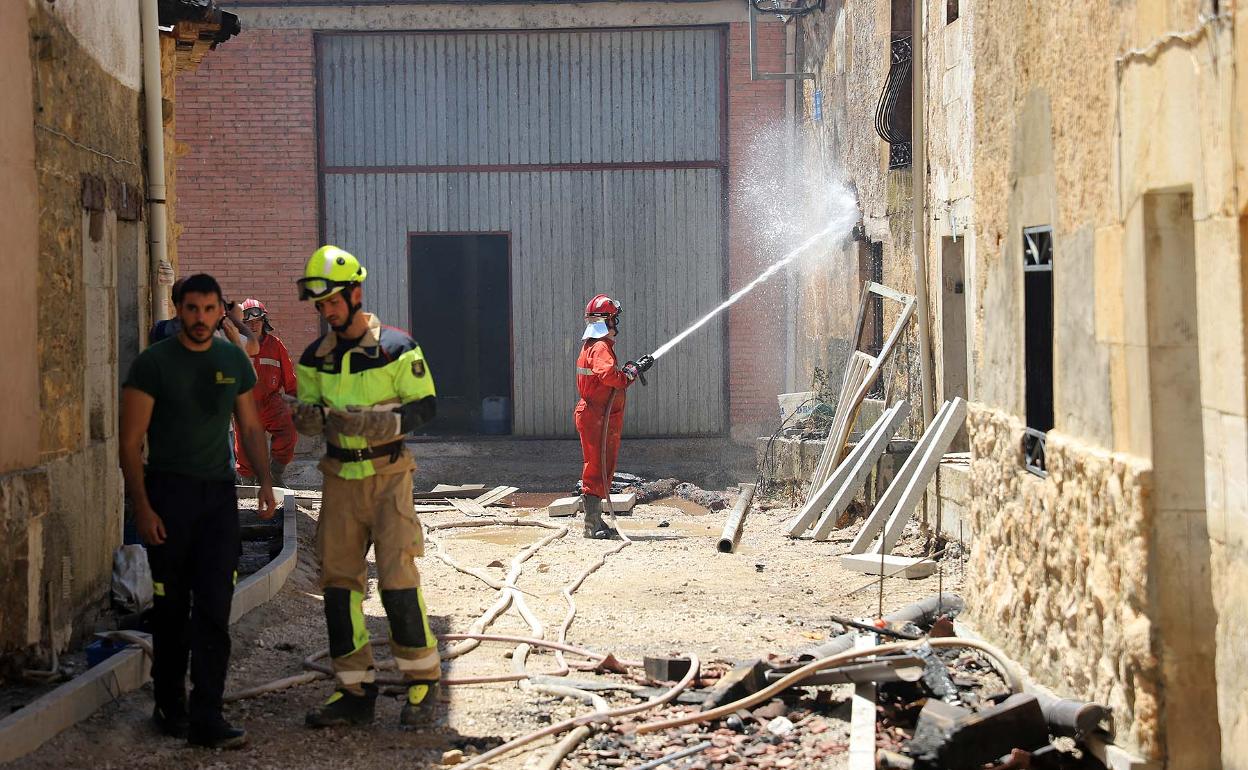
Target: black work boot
(418, 707)
(345, 708)
(594, 527)
(171, 720)
(217, 734)
(276, 470)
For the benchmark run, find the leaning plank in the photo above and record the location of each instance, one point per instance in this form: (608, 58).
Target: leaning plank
(859, 363)
(858, 466)
(926, 468)
(886, 504)
(894, 566)
(816, 502)
(468, 507)
(497, 495)
(841, 436)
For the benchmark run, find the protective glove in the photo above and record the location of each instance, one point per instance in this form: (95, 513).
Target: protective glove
(309, 418)
(374, 427)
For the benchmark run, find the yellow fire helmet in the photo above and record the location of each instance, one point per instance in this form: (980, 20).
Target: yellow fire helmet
(329, 271)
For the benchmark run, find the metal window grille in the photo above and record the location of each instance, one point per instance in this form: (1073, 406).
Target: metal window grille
(896, 88)
(1033, 452)
(1038, 249)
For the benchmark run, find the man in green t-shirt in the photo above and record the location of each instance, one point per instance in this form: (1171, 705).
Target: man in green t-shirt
(180, 395)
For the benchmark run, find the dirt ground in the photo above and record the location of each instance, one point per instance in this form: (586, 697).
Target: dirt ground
(669, 592)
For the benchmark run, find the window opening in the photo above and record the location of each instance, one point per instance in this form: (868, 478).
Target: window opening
(1038, 343)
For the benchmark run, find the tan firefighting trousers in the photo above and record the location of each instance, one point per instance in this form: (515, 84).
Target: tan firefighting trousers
(355, 513)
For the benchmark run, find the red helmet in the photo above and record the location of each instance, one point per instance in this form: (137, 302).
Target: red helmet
(253, 308)
(602, 306)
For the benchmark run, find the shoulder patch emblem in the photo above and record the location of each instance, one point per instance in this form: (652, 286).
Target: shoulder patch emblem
(418, 368)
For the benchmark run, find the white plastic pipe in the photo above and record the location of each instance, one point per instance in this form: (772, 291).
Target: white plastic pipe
(158, 227)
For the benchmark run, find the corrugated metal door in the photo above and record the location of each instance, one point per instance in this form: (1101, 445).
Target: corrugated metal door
(600, 152)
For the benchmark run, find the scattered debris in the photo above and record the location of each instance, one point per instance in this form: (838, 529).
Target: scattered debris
(780, 726)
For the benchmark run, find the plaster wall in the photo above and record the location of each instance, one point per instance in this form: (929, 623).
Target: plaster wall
(19, 260)
(109, 32)
(949, 72)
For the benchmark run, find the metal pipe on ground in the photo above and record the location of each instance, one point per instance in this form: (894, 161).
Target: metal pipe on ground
(736, 520)
(922, 613)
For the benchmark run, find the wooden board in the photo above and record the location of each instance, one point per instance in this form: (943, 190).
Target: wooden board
(817, 502)
(887, 503)
(858, 466)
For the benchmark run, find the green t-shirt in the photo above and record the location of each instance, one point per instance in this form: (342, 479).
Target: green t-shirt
(195, 394)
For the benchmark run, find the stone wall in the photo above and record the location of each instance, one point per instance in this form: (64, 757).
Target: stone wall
(1060, 570)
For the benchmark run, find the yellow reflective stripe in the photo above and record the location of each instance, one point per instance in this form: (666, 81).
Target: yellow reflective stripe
(584, 371)
(235, 577)
(430, 642)
(417, 693)
(337, 696)
(158, 588)
(359, 632)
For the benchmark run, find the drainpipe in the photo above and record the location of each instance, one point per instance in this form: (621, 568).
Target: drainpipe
(918, 166)
(158, 246)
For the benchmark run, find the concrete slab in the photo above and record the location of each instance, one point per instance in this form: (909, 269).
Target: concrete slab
(564, 506)
(908, 567)
(570, 506)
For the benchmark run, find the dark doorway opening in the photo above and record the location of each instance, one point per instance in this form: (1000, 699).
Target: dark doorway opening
(461, 316)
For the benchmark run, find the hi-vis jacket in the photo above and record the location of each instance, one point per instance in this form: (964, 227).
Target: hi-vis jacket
(385, 370)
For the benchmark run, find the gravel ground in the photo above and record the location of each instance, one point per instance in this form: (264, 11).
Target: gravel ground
(669, 592)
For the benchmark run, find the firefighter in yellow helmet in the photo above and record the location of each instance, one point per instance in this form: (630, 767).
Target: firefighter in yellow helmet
(364, 386)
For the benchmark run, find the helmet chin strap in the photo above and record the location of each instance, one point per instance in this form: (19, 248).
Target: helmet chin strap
(352, 309)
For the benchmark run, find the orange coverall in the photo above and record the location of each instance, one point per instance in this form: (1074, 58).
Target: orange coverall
(596, 376)
(274, 374)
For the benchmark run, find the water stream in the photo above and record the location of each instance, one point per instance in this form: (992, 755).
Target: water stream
(840, 223)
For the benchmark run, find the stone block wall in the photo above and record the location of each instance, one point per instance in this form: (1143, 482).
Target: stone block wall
(1061, 570)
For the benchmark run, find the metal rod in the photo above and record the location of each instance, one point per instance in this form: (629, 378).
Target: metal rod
(686, 752)
(874, 629)
(736, 520)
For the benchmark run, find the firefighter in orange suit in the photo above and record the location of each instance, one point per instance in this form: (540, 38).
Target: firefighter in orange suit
(274, 376)
(601, 384)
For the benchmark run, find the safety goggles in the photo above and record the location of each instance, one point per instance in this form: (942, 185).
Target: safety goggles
(252, 313)
(319, 288)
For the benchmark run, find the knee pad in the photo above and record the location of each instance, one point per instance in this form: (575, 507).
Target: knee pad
(409, 625)
(344, 618)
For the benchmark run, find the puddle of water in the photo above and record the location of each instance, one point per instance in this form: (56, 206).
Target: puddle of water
(680, 503)
(502, 535)
(695, 528)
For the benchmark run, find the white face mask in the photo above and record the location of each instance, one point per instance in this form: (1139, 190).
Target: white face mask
(595, 330)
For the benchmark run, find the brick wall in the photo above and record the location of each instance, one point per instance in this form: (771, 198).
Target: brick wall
(247, 192)
(756, 334)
